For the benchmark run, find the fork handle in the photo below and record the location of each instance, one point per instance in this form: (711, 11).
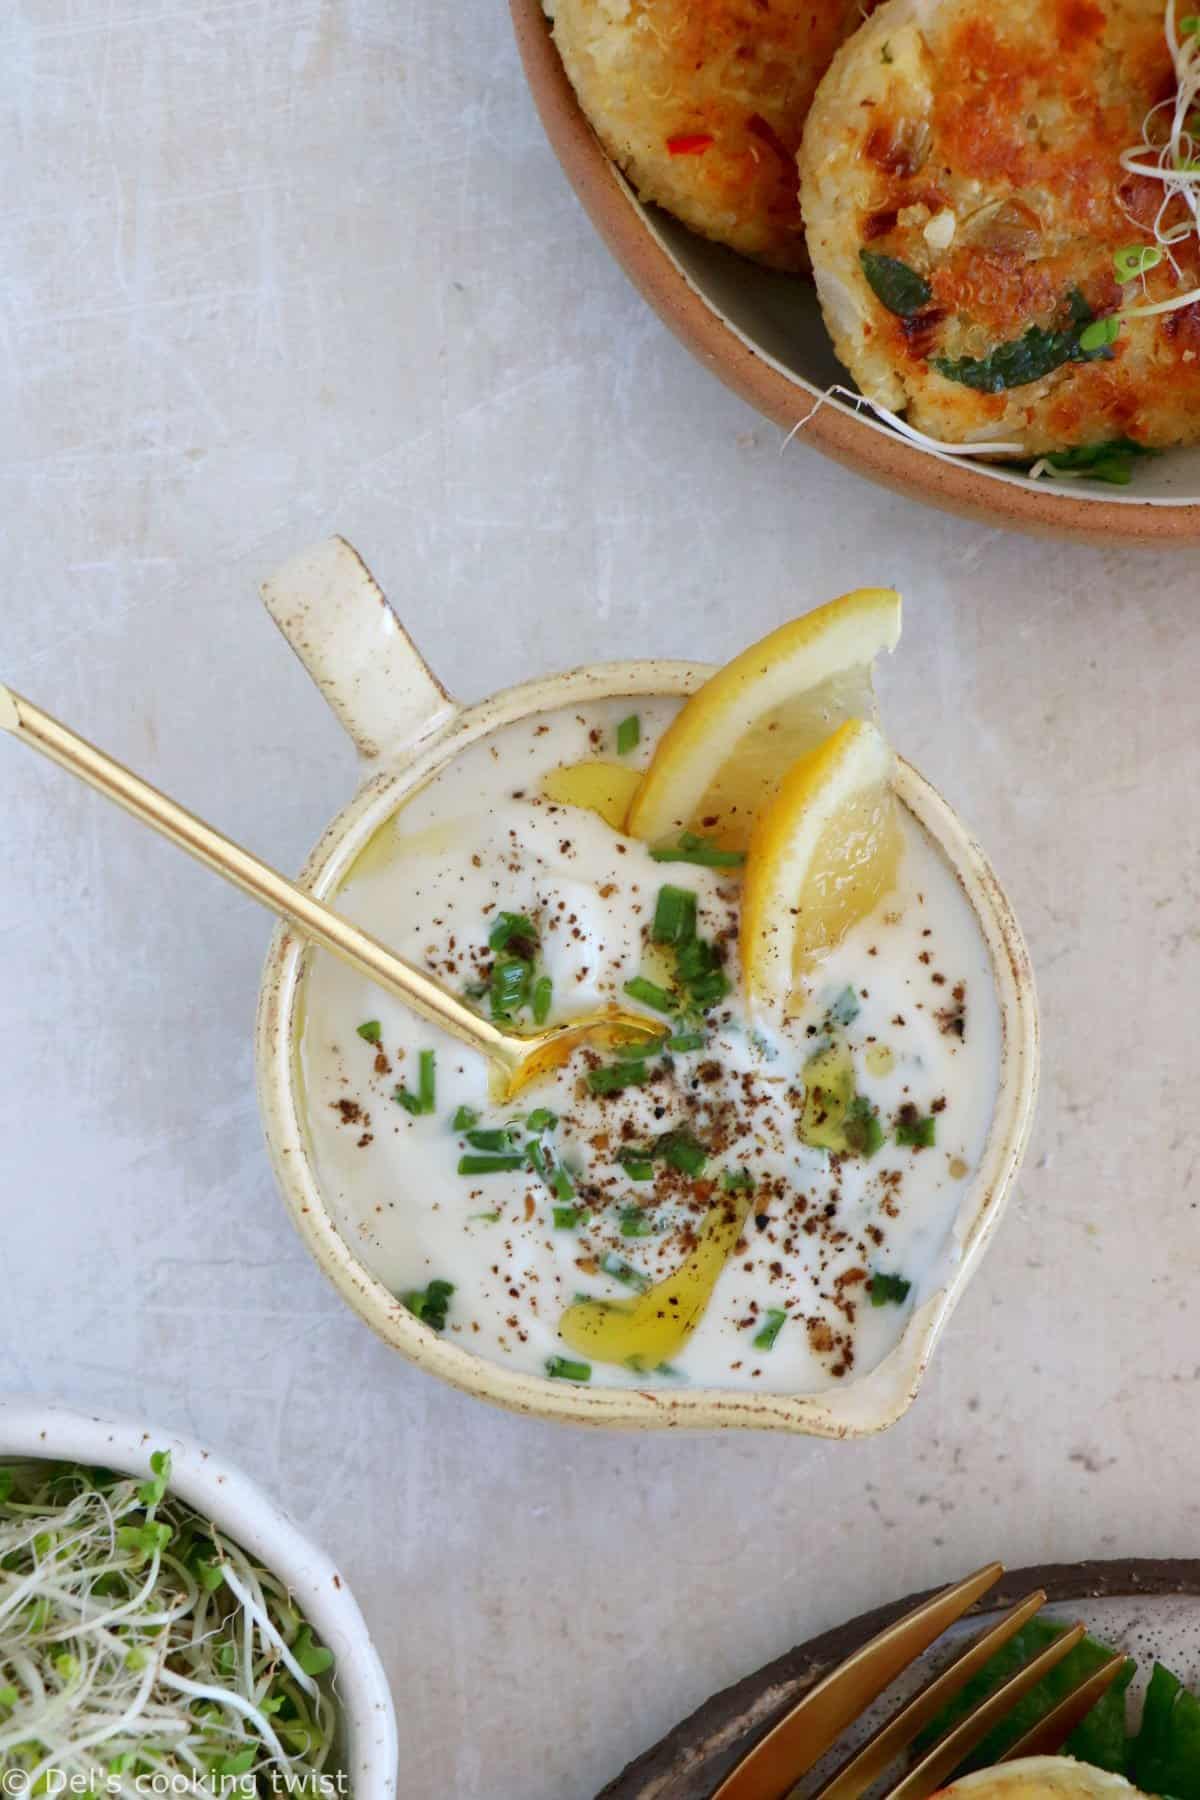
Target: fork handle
(30, 725)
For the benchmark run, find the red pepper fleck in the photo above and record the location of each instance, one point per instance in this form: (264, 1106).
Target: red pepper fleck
(689, 143)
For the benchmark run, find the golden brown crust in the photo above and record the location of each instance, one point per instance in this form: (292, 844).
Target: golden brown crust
(702, 103)
(980, 146)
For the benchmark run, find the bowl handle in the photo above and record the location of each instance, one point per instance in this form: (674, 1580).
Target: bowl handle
(337, 619)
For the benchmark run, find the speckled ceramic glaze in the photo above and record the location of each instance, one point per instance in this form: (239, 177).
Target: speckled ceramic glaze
(218, 1490)
(406, 728)
(761, 333)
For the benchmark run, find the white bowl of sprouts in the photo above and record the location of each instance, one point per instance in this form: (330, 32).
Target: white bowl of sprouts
(166, 1629)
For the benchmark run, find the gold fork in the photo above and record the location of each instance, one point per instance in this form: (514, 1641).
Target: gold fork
(517, 1058)
(798, 1741)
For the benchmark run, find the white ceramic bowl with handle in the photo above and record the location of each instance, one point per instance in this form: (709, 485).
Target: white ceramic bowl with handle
(35, 1428)
(406, 727)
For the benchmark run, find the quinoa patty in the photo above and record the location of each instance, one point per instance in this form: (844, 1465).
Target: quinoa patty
(702, 104)
(964, 197)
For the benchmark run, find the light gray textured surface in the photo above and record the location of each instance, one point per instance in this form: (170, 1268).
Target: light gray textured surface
(271, 270)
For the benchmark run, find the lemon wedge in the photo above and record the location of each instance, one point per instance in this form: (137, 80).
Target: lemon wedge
(725, 753)
(822, 855)
(602, 787)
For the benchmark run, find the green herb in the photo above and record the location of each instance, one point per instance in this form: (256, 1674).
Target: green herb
(894, 284)
(890, 1290)
(425, 1098)
(650, 994)
(1100, 1740)
(1112, 461)
(509, 987)
(638, 1164)
(1189, 25)
(700, 972)
(737, 1181)
(921, 1134)
(624, 1272)
(499, 1139)
(371, 1031)
(9, 1696)
(541, 999)
(1033, 355)
(634, 1223)
(541, 1119)
(561, 1368)
(489, 1165)
(1135, 260)
(699, 850)
(429, 1304)
(845, 1008)
(614, 1076)
(464, 1118)
(562, 1184)
(773, 1325)
(509, 926)
(150, 1493)
(486, 1218)
(687, 1040)
(629, 734)
(861, 1128)
(313, 1658)
(566, 1218)
(674, 916)
(682, 1150)
(1165, 1756)
(409, 1101)
(1100, 333)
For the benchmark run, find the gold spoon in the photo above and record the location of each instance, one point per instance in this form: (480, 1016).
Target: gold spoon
(517, 1059)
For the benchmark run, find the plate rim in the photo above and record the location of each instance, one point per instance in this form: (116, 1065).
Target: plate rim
(715, 1727)
(884, 457)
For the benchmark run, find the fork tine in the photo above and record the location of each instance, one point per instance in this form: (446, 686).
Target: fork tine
(1051, 1733)
(801, 1738)
(882, 1748)
(950, 1750)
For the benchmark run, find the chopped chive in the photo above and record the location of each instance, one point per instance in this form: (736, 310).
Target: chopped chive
(371, 1031)
(614, 1076)
(650, 994)
(562, 1184)
(429, 1304)
(639, 1166)
(536, 1153)
(509, 988)
(464, 1118)
(561, 1368)
(509, 926)
(427, 1080)
(541, 1119)
(845, 1008)
(737, 1181)
(629, 734)
(488, 1165)
(409, 1101)
(674, 916)
(1135, 260)
(765, 1339)
(1100, 333)
(634, 1223)
(862, 1130)
(687, 1040)
(920, 1133)
(566, 1218)
(682, 1150)
(891, 1289)
(498, 1139)
(488, 1218)
(624, 1272)
(542, 999)
(701, 851)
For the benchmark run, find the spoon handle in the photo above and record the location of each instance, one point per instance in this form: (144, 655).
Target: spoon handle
(30, 725)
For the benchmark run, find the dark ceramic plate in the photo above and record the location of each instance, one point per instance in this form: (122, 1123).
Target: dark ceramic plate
(1150, 1609)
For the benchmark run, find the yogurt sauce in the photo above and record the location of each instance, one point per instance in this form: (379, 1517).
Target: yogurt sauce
(904, 1016)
